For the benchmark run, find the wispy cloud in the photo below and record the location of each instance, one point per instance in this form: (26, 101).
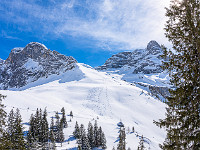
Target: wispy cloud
(127, 23)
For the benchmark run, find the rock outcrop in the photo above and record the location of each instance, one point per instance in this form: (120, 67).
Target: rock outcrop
(35, 61)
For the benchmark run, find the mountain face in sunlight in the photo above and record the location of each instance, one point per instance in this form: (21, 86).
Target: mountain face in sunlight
(35, 61)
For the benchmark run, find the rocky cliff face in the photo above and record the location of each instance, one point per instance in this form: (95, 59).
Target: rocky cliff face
(35, 61)
(142, 67)
(145, 61)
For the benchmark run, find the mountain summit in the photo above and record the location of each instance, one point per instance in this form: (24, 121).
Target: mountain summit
(141, 67)
(35, 61)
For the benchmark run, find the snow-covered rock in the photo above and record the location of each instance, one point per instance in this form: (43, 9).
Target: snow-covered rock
(35, 61)
(142, 67)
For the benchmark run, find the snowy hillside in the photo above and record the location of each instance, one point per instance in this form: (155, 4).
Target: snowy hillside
(93, 95)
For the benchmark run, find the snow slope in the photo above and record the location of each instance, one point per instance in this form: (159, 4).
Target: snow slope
(93, 95)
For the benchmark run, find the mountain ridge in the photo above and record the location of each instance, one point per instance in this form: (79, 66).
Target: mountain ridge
(141, 67)
(28, 64)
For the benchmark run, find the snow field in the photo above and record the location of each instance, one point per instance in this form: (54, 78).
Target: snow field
(93, 95)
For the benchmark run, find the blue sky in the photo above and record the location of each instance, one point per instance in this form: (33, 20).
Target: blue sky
(89, 30)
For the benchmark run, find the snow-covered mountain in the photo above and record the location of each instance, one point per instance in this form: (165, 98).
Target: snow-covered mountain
(35, 77)
(141, 67)
(94, 96)
(29, 64)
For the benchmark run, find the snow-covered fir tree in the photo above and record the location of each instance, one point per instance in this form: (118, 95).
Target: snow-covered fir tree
(96, 134)
(103, 142)
(90, 135)
(18, 137)
(76, 132)
(71, 114)
(182, 120)
(11, 128)
(61, 138)
(63, 120)
(122, 139)
(85, 142)
(44, 134)
(141, 144)
(4, 141)
(57, 126)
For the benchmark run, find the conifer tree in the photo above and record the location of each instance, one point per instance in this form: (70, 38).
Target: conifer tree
(122, 137)
(76, 132)
(141, 144)
(57, 125)
(18, 137)
(82, 130)
(44, 129)
(71, 114)
(85, 142)
(91, 135)
(63, 120)
(133, 130)
(52, 135)
(103, 142)
(31, 132)
(61, 135)
(96, 134)
(36, 127)
(182, 120)
(99, 137)
(4, 142)
(11, 128)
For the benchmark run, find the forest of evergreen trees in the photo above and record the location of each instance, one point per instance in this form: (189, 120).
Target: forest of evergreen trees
(94, 137)
(42, 136)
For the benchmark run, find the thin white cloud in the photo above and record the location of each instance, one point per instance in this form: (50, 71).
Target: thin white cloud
(127, 23)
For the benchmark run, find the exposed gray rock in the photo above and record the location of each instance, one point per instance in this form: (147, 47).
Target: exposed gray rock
(25, 65)
(145, 61)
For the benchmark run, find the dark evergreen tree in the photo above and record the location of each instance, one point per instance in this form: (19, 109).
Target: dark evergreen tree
(85, 142)
(31, 140)
(122, 139)
(4, 142)
(99, 137)
(91, 135)
(96, 134)
(52, 135)
(71, 114)
(36, 125)
(18, 137)
(76, 132)
(82, 130)
(182, 120)
(61, 135)
(57, 125)
(141, 144)
(133, 130)
(44, 134)
(63, 120)
(11, 128)
(103, 142)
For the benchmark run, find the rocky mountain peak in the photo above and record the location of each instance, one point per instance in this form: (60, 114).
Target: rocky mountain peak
(31, 63)
(153, 47)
